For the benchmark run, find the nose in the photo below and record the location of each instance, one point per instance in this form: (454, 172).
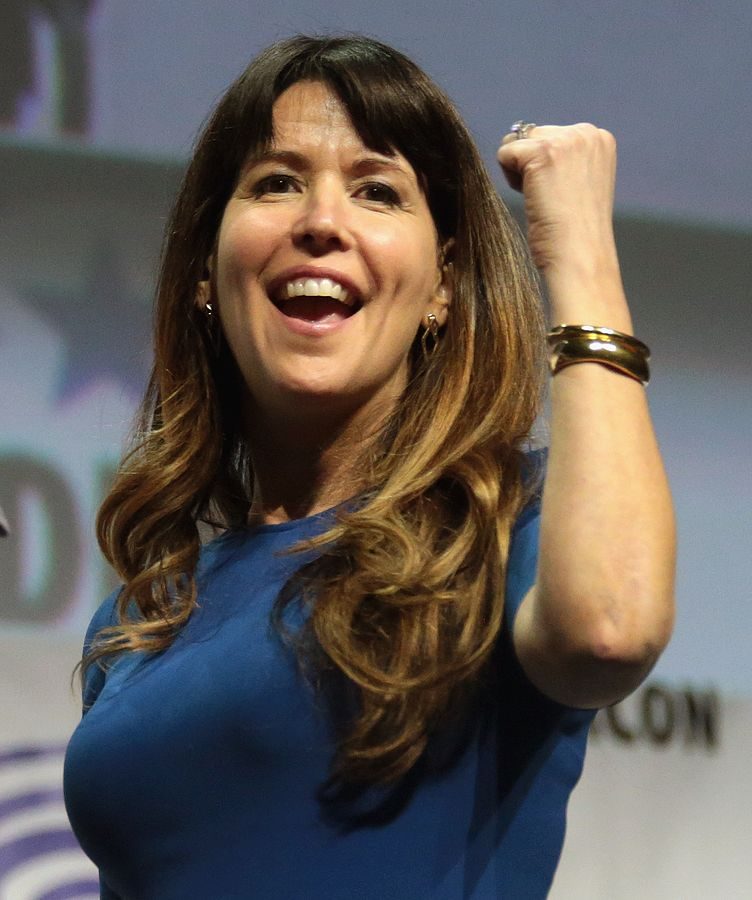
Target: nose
(323, 223)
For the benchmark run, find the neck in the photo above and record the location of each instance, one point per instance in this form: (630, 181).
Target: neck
(303, 466)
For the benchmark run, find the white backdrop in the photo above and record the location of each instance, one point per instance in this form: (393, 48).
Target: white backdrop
(663, 822)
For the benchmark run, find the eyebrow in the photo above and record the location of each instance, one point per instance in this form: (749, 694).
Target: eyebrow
(295, 160)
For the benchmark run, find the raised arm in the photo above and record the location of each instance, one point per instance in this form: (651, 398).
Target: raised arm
(601, 610)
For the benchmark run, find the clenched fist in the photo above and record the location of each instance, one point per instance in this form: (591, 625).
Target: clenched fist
(566, 175)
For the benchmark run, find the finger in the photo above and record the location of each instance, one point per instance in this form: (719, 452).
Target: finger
(519, 134)
(513, 178)
(536, 134)
(513, 155)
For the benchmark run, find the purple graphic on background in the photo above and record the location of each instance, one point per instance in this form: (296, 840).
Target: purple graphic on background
(39, 856)
(90, 321)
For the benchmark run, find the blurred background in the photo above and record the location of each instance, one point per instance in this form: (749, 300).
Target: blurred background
(100, 101)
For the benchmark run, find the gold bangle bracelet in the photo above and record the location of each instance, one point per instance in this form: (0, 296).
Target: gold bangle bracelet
(571, 344)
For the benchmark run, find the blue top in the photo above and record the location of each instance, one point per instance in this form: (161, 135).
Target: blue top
(196, 772)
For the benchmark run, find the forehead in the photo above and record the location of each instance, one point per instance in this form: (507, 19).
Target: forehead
(309, 114)
(310, 105)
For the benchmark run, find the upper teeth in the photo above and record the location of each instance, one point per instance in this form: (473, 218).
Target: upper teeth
(318, 287)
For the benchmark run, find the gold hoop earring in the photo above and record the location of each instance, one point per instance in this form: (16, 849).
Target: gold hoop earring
(431, 331)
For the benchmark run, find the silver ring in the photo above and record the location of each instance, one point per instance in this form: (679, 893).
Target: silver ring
(521, 129)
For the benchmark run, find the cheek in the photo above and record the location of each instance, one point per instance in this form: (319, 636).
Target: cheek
(404, 259)
(239, 259)
(246, 241)
(248, 238)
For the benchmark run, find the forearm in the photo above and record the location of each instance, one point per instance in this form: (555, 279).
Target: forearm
(604, 593)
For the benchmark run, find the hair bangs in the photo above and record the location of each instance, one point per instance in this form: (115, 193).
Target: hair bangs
(393, 107)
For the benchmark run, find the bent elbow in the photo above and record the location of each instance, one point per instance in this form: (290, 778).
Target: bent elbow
(615, 661)
(635, 636)
(594, 652)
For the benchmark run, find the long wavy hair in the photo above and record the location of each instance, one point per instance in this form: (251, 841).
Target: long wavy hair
(405, 594)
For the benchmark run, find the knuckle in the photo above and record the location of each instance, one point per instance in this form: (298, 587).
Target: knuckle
(582, 133)
(549, 149)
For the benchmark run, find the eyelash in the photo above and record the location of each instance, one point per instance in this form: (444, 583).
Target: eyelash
(264, 186)
(392, 199)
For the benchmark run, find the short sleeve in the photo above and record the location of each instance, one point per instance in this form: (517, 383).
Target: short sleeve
(523, 545)
(523, 559)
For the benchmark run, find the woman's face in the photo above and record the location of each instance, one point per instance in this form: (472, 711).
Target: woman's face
(321, 214)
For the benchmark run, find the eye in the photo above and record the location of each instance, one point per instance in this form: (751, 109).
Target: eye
(275, 184)
(378, 192)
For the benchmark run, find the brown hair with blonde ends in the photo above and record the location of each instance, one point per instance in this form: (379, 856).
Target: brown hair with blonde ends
(405, 594)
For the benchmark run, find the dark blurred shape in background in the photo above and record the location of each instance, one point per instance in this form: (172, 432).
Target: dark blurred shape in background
(19, 78)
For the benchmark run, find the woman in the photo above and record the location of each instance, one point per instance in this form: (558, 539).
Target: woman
(336, 697)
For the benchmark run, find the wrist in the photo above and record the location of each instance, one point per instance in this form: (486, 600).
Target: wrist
(587, 292)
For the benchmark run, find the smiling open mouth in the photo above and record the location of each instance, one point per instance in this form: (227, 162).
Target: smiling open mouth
(315, 300)
(316, 309)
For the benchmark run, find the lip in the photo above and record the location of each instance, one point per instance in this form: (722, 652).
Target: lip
(297, 272)
(311, 329)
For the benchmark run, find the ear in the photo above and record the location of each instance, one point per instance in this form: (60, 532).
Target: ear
(203, 293)
(442, 296)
